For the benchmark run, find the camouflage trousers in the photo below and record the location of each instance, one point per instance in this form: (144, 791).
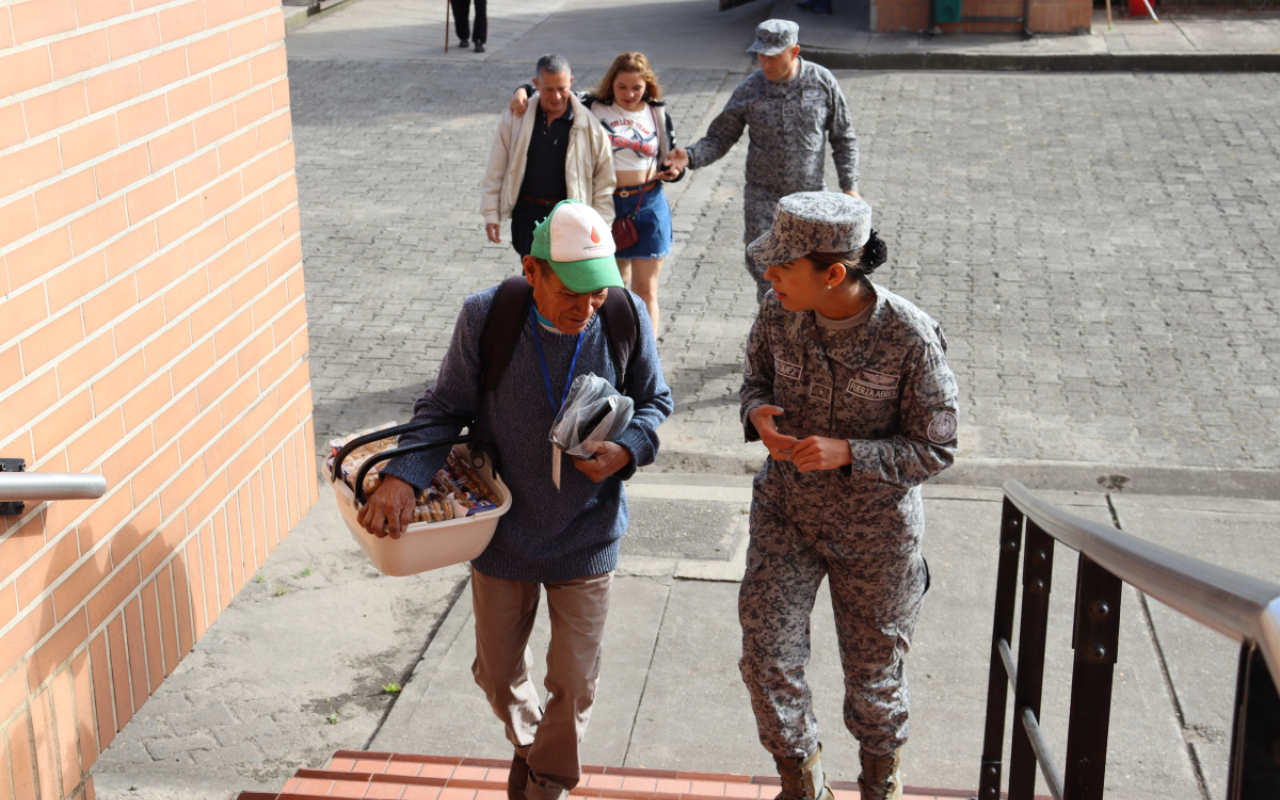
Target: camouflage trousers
(876, 599)
(758, 208)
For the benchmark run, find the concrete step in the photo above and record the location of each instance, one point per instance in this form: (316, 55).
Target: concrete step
(359, 774)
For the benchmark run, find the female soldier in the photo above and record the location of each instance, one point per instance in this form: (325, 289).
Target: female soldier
(848, 387)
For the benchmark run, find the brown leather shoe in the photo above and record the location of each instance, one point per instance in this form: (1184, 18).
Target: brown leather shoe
(803, 778)
(542, 789)
(881, 777)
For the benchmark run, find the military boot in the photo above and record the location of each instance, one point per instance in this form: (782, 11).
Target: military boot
(881, 777)
(802, 778)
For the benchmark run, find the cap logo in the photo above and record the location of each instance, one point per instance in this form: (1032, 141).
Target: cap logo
(595, 235)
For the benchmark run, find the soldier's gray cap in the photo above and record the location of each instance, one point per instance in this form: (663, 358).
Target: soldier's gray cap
(774, 35)
(813, 222)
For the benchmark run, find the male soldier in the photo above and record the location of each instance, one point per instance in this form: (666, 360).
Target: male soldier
(540, 159)
(788, 104)
(562, 540)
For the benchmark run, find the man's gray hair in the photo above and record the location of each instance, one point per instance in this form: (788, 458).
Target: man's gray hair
(552, 64)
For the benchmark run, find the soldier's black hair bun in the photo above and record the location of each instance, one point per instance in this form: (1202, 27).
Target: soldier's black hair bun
(874, 253)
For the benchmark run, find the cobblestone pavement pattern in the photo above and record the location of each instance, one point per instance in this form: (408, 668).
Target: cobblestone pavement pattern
(1103, 266)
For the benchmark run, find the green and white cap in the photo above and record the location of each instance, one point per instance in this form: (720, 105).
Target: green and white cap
(578, 244)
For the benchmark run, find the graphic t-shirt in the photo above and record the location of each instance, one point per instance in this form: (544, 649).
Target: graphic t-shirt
(632, 135)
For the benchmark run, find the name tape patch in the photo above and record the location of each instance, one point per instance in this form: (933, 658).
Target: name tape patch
(786, 369)
(812, 97)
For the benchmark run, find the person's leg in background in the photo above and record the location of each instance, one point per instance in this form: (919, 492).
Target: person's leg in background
(641, 263)
(524, 218)
(461, 11)
(758, 211)
(480, 30)
(643, 277)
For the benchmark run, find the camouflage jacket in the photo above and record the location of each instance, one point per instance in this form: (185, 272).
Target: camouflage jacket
(787, 122)
(887, 389)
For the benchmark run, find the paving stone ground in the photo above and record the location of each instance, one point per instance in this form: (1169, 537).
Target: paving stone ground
(1100, 250)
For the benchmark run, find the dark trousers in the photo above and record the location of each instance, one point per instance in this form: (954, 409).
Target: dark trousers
(461, 10)
(524, 218)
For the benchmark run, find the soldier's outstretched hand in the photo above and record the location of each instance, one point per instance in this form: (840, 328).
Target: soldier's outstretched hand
(677, 161)
(819, 452)
(779, 446)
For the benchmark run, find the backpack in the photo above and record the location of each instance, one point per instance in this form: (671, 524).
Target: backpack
(507, 318)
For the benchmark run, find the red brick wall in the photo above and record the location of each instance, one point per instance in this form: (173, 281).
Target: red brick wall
(1047, 16)
(152, 330)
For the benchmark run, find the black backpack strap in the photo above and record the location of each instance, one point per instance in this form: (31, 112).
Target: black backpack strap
(502, 329)
(510, 309)
(622, 325)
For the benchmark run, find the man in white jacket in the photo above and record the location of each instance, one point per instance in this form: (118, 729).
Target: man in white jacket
(540, 159)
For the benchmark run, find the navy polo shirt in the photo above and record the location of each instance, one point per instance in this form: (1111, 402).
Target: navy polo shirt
(544, 164)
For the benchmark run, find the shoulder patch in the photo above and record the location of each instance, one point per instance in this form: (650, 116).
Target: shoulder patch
(943, 427)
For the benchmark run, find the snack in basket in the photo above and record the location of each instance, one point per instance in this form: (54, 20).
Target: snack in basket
(355, 460)
(455, 492)
(470, 480)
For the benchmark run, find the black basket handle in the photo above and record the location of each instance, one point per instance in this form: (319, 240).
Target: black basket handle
(480, 448)
(394, 430)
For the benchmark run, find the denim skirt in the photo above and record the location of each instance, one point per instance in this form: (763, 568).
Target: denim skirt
(652, 220)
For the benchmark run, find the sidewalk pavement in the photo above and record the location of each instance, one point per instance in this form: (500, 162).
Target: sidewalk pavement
(1199, 40)
(294, 668)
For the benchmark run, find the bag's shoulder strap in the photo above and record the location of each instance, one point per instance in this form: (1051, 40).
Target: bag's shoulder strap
(502, 329)
(622, 325)
(510, 309)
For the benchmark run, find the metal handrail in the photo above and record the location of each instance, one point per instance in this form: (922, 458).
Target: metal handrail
(17, 487)
(1243, 608)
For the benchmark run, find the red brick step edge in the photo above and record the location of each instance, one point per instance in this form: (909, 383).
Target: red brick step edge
(354, 774)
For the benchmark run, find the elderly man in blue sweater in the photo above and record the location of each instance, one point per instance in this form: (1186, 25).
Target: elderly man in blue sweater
(562, 541)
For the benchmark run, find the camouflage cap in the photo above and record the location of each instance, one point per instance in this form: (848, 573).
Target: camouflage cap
(774, 35)
(813, 222)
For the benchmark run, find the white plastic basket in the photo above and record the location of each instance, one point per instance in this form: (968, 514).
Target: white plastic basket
(424, 546)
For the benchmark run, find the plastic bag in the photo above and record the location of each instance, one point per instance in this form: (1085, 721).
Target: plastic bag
(593, 412)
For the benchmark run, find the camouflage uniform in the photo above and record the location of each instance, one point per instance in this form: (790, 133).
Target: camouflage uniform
(885, 386)
(787, 122)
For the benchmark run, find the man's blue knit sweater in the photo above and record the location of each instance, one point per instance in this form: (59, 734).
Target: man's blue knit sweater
(548, 535)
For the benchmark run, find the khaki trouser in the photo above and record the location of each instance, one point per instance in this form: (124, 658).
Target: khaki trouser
(504, 611)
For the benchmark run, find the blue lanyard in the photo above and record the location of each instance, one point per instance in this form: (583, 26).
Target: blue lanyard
(542, 360)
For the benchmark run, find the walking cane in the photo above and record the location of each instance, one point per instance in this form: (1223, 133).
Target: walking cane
(446, 25)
